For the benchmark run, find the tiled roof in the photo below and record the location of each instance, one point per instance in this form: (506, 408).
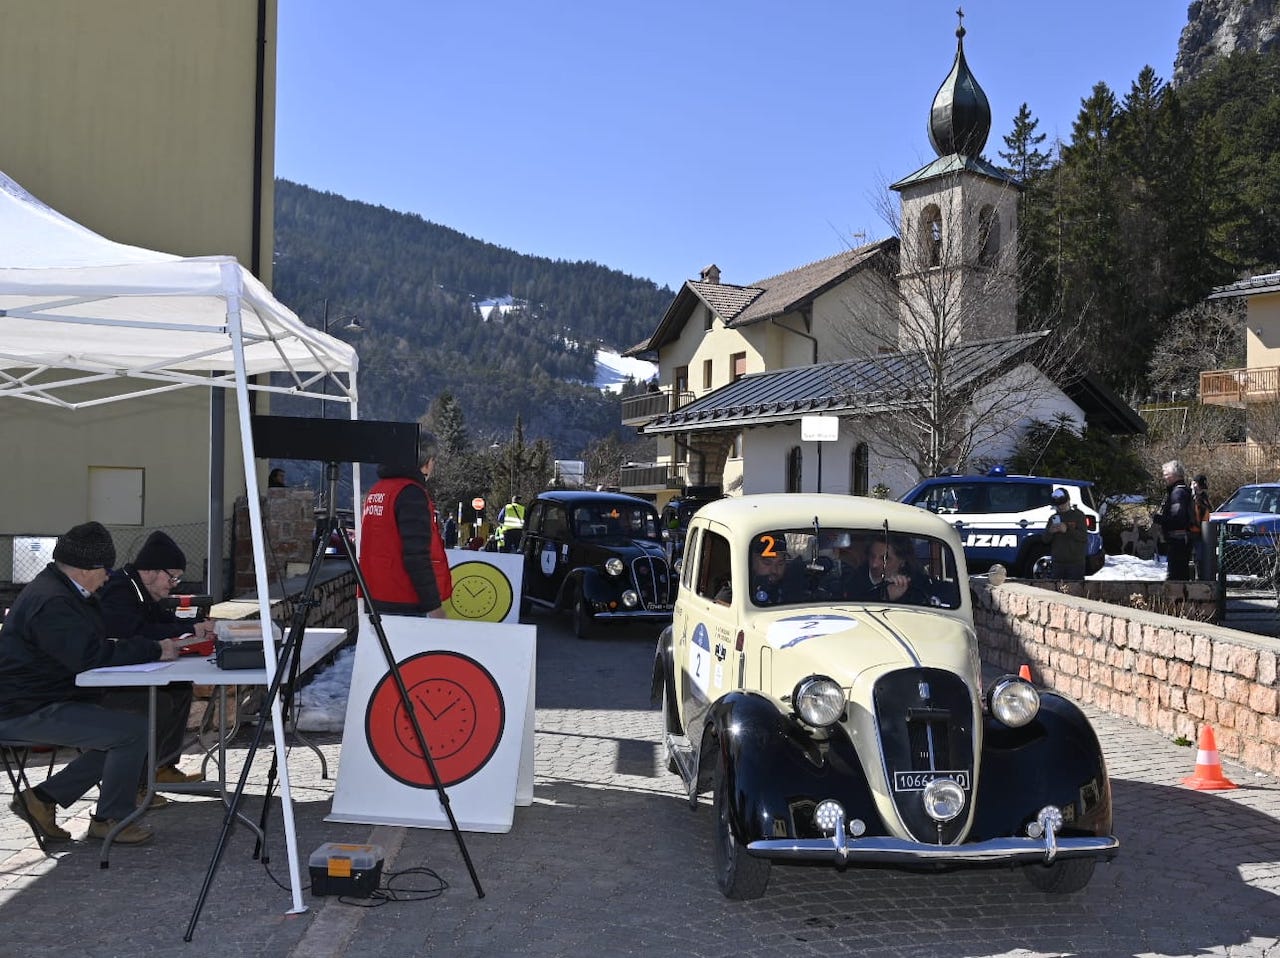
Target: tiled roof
(953, 163)
(874, 384)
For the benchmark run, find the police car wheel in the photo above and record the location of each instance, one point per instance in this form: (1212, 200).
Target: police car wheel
(1042, 568)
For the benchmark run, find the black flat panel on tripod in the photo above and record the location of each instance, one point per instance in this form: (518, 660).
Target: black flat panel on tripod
(334, 440)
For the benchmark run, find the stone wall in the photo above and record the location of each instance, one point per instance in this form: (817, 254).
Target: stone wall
(1169, 674)
(288, 524)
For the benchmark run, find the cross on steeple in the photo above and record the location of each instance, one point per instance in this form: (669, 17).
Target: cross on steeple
(960, 28)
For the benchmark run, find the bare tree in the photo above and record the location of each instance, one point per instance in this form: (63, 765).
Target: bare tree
(956, 369)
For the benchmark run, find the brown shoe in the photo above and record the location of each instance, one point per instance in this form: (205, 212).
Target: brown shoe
(133, 834)
(172, 775)
(41, 815)
(157, 800)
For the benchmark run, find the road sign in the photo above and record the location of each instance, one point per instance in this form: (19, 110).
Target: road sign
(819, 428)
(477, 503)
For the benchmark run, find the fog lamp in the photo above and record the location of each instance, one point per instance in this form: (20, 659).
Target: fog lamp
(630, 599)
(613, 565)
(829, 816)
(943, 799)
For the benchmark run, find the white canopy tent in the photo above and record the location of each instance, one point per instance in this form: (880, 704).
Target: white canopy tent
(85, 321)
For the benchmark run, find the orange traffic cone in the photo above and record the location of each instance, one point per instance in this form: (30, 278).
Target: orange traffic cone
(1025, 673)
(1208, 776)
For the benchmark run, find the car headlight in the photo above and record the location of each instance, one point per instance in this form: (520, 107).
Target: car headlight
(613, 566)
(1014, 701)
(818, 700)
(630, 598)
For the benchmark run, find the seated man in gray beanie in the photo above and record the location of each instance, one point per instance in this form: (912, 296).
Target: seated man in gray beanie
(131, 606)
(53, 631)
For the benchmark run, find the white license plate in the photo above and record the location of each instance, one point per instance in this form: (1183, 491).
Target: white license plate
(916, 781)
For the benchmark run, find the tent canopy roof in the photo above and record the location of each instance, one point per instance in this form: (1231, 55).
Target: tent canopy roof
(78, 309)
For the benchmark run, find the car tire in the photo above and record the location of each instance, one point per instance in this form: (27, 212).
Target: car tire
(1060, 878)
(526, 607)
(1028, 569)
(740, 875)
(584, 625)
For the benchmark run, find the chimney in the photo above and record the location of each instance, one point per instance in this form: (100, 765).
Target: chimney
(710, 274)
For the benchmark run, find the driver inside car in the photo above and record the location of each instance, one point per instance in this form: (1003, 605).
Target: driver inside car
(772, 580)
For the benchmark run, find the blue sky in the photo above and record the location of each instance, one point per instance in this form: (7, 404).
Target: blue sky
(658, 137)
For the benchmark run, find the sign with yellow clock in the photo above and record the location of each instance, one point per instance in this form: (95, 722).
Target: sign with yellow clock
(485, 586)
(481, 593)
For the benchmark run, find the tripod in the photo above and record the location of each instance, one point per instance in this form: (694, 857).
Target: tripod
(287, 664)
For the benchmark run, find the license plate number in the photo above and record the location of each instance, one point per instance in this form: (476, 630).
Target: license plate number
(916, 781)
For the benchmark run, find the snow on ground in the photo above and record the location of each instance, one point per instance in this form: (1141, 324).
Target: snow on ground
(323, 702)
(613, 370)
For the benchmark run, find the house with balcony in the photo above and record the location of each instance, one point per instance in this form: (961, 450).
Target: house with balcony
(1254, 389)
(860, 337)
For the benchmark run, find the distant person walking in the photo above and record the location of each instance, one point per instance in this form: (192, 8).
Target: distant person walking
(1175, 518)
(511, 524)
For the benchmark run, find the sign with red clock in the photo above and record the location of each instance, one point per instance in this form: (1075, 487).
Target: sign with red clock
(459, 708)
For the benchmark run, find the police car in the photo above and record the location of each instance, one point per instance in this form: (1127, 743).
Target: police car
(999, 516)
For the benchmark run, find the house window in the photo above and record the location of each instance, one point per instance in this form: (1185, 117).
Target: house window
(681, 384)
(859, 470)
(706, 374)
(737, 366)
(737, 447)
(682, 450)
(795, 463)
(988, 236)
(931, 236)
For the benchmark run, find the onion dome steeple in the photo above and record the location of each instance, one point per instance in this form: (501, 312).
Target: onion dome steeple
(960, 119)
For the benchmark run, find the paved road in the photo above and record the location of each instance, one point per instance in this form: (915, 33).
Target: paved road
(610, 861)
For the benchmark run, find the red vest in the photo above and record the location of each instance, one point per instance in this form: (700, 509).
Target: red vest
(382, 552)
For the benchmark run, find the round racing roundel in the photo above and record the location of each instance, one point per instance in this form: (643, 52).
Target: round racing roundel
(459, 708)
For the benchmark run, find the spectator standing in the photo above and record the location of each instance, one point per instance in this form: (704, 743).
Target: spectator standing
(451, 532)
(511, 524)
(53, 631)
(402, 554)
(1068, 537)
(275, 479)
(132, 606)
(1175, 520)
(1201, 533)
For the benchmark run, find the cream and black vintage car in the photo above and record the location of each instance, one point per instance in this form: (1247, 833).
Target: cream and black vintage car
(821, 680)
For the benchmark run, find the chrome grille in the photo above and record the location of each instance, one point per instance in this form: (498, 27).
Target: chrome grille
(652, 578)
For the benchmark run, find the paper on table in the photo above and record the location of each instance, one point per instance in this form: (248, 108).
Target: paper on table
(140, 667)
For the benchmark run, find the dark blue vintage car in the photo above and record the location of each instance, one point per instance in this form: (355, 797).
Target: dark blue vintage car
(599, 555)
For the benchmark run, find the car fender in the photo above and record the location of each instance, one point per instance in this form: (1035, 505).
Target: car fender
(776, 766)
(663, 669)
(1053, 760)
(582, 579)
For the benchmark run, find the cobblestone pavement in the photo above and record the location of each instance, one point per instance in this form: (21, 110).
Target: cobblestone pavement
(610, 861)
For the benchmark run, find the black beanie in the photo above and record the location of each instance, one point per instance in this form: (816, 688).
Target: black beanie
(86, 546)
(160, 552)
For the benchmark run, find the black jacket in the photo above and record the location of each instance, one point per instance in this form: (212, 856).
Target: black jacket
(1176, 512)
(129, 610)
(52, 633)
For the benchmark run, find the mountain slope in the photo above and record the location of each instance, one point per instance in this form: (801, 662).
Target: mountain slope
(414, 285)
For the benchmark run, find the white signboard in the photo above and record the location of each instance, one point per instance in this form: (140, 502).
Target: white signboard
(471, 688)
(819, 428)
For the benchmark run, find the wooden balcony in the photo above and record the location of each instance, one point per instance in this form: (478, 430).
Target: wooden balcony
(638, 410)
(636, 477)
(1239, 387)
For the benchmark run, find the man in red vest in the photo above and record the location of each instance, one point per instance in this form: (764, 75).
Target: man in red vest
(402, 553)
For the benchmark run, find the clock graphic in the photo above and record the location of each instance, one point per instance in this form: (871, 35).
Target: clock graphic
(459, 708)
(481, 592)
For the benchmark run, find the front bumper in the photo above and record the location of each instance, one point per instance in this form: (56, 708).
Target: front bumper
(635, 615)
(896, 851)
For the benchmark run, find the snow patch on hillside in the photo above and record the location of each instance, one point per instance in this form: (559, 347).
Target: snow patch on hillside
(612, 370)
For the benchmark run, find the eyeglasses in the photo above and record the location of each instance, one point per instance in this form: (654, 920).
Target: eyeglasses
(173, 579)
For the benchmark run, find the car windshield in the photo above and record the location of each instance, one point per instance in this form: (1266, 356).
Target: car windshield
(1253, 499)
(799, 566)
(609, 520)
(970, 498)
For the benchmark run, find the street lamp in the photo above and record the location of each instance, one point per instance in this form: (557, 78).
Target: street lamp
(352, 325)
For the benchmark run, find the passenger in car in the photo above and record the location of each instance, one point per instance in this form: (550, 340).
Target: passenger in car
(889, 575)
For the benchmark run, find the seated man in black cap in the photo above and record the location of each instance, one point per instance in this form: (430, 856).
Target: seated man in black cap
(131, 607)
(53, 631)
